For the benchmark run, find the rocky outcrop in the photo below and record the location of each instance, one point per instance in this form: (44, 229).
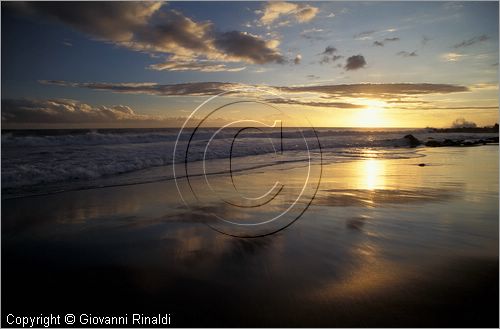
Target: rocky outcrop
(461, 142)
(412, 140)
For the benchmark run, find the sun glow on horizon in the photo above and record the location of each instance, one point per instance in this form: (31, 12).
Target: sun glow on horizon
(372, 116)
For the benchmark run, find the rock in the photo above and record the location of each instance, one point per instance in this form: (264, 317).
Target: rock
(412, 140)
(449, 142)
(460, 142)
(433, 143)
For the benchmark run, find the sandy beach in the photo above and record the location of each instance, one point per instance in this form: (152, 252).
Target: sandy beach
(386, 242)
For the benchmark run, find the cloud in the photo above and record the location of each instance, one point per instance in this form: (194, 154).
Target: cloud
(453, 5)
(471, 41)
(381, 90)
(341, 105)
(367, 35)
(311, 34)
(462, 123)
(150, 88)
(201, 66)
(113, 21)
(147, 27)
(329, 50)
(275, 10)
(364, 35)
(407, 54)
(329, 55)
(391, 39)
(355, 62)
(452, 57)
(67, 43)
(328, 59)
(382, 43)
(248, 47)
(64, 111)
(214, 88)
(297, 59)
(67, 112)
(312, 76)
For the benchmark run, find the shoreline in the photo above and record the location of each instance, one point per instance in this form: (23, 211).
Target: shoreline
(401, 244)
(412, 141)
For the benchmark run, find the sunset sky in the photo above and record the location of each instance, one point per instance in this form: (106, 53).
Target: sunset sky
(361, 64)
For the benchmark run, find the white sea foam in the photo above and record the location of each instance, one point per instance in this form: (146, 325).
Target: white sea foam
(41, 158)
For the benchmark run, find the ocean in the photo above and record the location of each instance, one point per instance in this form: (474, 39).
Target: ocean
(47, 161)
(391, 236)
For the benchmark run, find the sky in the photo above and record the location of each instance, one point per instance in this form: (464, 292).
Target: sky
(327, 64)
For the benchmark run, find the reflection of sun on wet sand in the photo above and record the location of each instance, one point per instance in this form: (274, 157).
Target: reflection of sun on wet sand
(401, 244)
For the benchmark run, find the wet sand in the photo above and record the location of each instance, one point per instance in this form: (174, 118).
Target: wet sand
(385, 243)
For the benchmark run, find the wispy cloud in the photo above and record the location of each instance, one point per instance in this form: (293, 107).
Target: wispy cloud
(471, 41)
(364, 35)
(340, 105)
(367, 35)
(201, 66)
(214, 88)
(452, 57)
(383, 42)
(404, 53)
(329, 55)
(313, 34)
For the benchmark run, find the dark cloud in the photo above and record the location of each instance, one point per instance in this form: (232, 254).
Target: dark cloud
(340, 105)
(329, 50)
(355, 62)
(383, 89)
(172, 32)
(329, 55)
(115, 21)
(214, 88)
(182, 89)
(249, 47)
(146, 26)
(471, 41)
(407, 54)
(383, 42)
(312, 77)
(201, 66)
(330, 59)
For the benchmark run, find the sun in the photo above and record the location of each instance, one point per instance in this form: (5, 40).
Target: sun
(373, 115)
